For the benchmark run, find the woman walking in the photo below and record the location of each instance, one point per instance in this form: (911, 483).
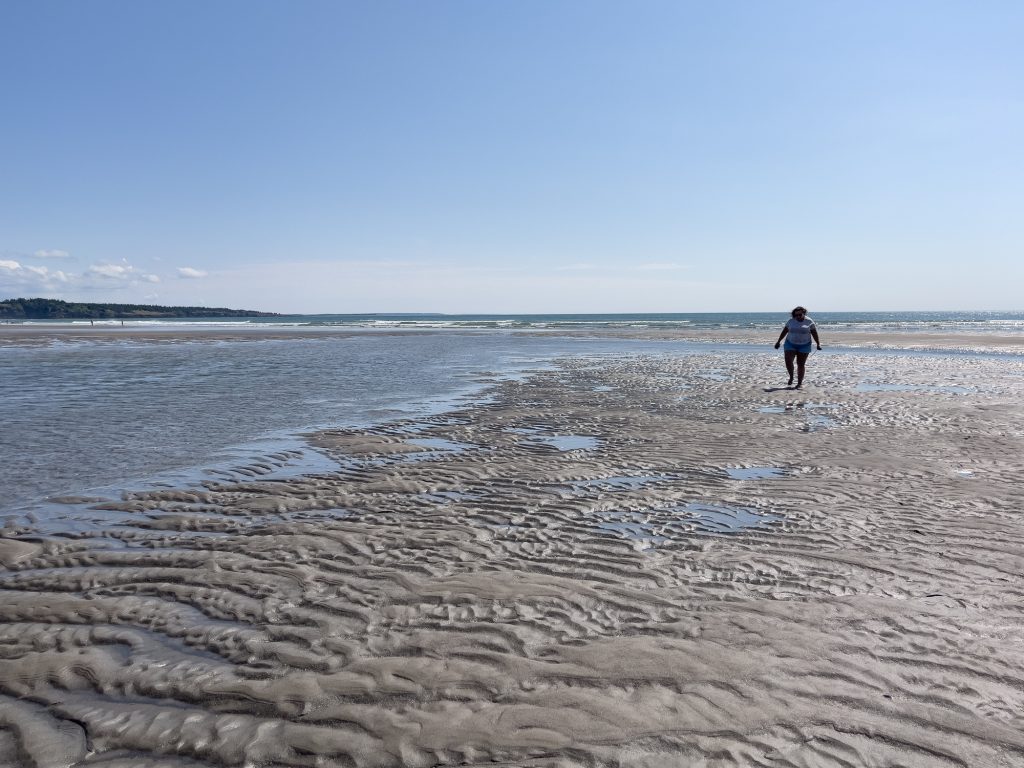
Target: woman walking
(800, 329)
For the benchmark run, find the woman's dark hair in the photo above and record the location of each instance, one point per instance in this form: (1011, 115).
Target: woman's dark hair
(798, 309)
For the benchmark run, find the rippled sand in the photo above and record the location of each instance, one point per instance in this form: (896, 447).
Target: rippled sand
(637, 561)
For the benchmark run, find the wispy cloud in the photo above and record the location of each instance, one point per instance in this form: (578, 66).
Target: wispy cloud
(385, 264)
(190, 273)
(52, 254)
(107, 275)
(660, 266)
(15, 276)
(621, 268)
(112, 271)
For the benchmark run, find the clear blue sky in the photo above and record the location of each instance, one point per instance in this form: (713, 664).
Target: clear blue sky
(514, 156)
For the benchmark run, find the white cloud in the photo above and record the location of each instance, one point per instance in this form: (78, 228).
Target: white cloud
(52, 254)
(15, 276)
(113, 271)
(576, 267)
(18, 278)
(190, 273)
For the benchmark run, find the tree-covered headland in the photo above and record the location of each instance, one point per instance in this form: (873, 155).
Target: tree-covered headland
(55, 309)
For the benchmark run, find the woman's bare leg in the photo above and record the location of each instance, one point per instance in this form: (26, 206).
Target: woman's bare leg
(801, 361)
(790, 355)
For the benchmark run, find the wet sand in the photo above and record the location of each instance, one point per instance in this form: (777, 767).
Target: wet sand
(34, 335)
(24, 335)
(642, 561)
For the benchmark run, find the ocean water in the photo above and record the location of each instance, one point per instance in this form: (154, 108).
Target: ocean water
(900, 322)
(78, 418)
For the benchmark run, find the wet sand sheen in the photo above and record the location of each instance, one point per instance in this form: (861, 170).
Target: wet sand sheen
(741, 577)
(29, 335)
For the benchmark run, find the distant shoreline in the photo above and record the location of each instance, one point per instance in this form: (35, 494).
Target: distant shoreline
(56, 309)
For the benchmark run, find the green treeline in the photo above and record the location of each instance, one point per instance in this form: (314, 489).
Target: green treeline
(54, 309)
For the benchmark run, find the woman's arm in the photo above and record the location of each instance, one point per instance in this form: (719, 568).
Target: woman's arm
(814, 333)
(785, 330)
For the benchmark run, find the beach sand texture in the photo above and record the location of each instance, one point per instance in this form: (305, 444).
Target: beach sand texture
(633, 561)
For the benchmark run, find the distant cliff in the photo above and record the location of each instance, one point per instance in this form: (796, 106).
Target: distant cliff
(54, 309)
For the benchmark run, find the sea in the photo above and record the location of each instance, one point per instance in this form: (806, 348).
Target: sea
(81, 417)
(907, 322)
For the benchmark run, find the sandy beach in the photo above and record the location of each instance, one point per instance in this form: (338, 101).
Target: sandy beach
(653, 560)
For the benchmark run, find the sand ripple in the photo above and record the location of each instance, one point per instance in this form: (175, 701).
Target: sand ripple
(476, 589)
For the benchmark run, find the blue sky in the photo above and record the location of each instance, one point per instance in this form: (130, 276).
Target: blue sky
(514, 156)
